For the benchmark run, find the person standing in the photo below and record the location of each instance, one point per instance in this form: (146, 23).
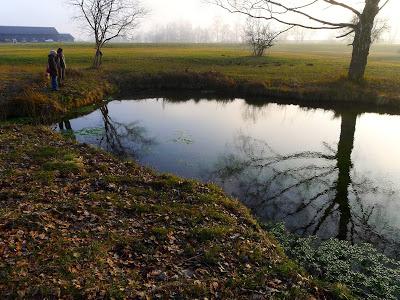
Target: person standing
(52, 69)
(61, 66)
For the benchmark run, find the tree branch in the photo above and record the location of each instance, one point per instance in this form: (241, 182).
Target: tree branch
(249, 8)
(333, 2)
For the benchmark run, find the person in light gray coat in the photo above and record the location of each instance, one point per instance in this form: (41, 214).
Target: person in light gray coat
(52, 69)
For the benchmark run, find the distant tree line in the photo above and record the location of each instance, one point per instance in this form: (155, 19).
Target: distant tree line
(185, 32)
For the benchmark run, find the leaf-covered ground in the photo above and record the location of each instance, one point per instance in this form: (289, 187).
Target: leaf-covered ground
(76, 222)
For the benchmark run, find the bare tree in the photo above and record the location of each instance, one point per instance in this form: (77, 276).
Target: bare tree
(260, 36)
(381, 26)
(185, 32)
(307, 14)
(299, 34)
(108, 19)
(217, 25)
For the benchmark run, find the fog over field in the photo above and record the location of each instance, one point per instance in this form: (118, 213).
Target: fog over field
(191, 17)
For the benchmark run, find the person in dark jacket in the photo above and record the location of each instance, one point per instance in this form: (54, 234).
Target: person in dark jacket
(52, 69)
(61, 66)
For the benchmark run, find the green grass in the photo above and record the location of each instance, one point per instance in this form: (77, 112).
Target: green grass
(291, 62)
(310, 69)
(161, 233)
(205, 234)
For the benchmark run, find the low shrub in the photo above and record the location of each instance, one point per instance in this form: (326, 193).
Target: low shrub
(367, 272)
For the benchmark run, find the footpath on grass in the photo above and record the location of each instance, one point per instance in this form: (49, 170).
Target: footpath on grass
(76, 222)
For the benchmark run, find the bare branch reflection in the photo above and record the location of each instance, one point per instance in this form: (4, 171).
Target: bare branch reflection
(129, 140)
(314, 192)
(124, 140)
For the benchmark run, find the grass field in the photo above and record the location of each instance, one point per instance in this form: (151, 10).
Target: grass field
(293, 67)
(302, 63)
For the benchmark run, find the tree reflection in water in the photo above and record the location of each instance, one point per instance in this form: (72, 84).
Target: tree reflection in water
(124, 140)
(315, 193)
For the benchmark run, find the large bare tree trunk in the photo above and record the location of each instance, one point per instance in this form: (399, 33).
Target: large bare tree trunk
(97, 60)
(363, 40)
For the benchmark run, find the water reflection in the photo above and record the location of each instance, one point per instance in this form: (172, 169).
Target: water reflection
(312, 169)
(343, 183)
(65, 125)
(313, 192)
(65, 128)
(125, 140)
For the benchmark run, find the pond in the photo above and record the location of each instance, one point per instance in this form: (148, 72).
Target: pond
(331, 173)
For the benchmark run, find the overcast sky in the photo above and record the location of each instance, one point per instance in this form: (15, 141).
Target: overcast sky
(58, 14)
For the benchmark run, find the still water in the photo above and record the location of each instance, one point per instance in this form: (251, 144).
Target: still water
(321, 172)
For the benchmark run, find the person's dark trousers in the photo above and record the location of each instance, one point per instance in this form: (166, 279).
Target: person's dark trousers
(54, 85)
(61, 76)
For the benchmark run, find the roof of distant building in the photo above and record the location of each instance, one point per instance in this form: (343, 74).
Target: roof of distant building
(27, 30)
(66, 35)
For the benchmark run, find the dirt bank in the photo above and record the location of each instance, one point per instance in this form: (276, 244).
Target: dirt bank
(85, 87)
(76, 222)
